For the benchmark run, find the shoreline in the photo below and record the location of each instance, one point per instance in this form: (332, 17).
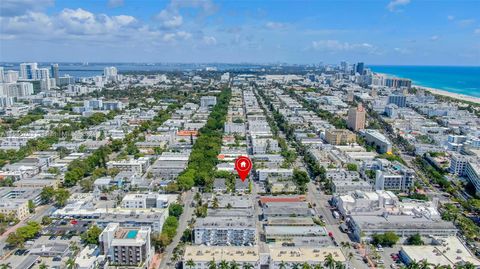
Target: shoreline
(458, 96)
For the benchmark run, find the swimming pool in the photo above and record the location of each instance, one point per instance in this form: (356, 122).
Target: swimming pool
(131, 234)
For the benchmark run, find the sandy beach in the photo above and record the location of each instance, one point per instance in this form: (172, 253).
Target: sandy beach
(450, 94)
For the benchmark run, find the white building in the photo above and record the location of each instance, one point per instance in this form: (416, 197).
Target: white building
(27, 70)
(397, 178)
(472, 172)
(279, 173)
(126, 246)
(208, 101)
(148, 200)
(110, 72)
(225, 231)
(202, 256)
(138, 166)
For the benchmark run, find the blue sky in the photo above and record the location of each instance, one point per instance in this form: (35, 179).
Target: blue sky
(397, 32)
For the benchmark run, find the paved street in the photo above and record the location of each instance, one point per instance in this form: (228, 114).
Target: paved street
(322, 208)
(183, 224)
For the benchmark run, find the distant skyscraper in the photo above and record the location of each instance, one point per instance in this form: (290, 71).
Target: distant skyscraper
(397, 99)
(42, 73)
(356, 118)
(27, 70)
(54, 72)
(11, 76)
(360, 68)
(350, 96)
(110, 71)
(2, 75)
(344, 66)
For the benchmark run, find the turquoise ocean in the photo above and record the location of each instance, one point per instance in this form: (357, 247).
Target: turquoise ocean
(455, 79)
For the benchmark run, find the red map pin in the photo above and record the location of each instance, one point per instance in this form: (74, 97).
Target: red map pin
(243, 165)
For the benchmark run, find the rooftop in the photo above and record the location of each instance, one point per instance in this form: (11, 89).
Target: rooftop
(226, 253)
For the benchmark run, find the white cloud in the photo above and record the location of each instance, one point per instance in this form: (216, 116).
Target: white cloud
(338, 46)
(477, 31)
(402, 50)
(395, 4)
(82, 22)
(170, 18)
(12, 8)
(207, 7)
(466, 22)
(434, 37)
(275, 25)
(176, 36)
(115, 3)
(22, 25)
(209, 40)
(450, 17)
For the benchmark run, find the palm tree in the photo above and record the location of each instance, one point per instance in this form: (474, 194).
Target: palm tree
(467, 265)
(198, 198)
(70, 263)
(413, 265)
(330, 261)
(234, 265)
(350, 256)
(223, 265)
(424, 264)
(5, 266)
(296, 266)
(74, 247)
(247, 266)
(43, 266)
(215, 202)
(317, 266)
(190, 264)
(305, 265)
(339, 265)
(212, 264)
(282, 265)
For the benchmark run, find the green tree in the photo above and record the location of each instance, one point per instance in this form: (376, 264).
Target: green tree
(247, 266)
(223, 265)
(175, 210)
(329, 261)
(300, 177)
(212, 264)
(14, 239)
(190, 264)
(234, 265)
(47, 194)
(305, 265)
(170, 227)
(5, 266)
(86, 185)
(70, 263)
(46, 220)
(415, 240)
(31, 206)
(91, 235)
(61, 197)
(215, 202)
(352, 167)
(386, 239)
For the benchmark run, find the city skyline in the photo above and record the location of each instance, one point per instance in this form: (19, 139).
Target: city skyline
(398, 32)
